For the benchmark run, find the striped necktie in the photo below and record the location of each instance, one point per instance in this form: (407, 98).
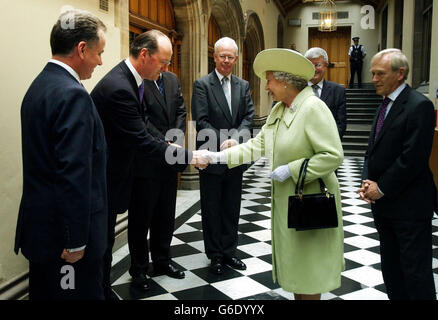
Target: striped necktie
(382, 114)
(226, 91)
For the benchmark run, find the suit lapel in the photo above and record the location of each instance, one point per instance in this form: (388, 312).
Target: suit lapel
(219, 95)
(131, 79)
(167, 92)
(325, 90)
(151, 89)
(235, 97)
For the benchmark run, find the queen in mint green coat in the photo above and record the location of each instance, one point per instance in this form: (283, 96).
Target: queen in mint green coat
(303, 262)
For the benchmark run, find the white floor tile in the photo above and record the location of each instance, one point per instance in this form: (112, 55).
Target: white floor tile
(172, 285)
(356, 210)
(365, 294)
(362, 242)
(363, 257)
(365, 275)
(239, 288)
(193, 261)
(256, 249)
(262, 235)
(359, 229)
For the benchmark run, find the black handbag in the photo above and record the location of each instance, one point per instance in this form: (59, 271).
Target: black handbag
(311, 211)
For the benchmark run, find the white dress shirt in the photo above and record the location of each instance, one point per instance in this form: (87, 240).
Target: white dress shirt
(319, 84)
(66, 67)
(138, 78)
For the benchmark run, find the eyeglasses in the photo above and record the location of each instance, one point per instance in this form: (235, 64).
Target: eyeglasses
(224, 57)
(318, 65)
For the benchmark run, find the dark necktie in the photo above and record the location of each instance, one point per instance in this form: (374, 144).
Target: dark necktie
(315, 88)
(141, 91)
(160, 85)
(381, 118)
(226, 91)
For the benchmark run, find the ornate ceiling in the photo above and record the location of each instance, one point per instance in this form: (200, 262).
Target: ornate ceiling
(287, 5)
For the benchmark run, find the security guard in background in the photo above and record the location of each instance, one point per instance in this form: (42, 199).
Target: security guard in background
(357, 53)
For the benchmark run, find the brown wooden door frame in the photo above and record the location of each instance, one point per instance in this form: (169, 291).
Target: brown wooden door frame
(336, 44)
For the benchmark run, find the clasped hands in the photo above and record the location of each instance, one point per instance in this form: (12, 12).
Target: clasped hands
(369, 191)
(202, 158)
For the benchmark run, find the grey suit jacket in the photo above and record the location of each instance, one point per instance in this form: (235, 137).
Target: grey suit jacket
(210, 110)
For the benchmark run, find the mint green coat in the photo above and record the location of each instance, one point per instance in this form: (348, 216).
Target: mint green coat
(303, 262)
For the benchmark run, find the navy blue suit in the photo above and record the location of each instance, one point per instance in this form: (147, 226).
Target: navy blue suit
(398, 160)
(123, 116)
(154, 192)
(64, 202)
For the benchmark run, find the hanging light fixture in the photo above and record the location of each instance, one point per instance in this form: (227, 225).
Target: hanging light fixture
(328, 16)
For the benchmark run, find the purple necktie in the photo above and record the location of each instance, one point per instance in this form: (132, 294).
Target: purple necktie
(141, 91)
(381, 118)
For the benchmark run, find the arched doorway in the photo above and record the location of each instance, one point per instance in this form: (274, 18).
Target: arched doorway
(155, 14)
(254, 43)
(230, 21)
(214, 34)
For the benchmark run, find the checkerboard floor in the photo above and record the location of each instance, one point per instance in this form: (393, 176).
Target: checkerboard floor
(362, 279)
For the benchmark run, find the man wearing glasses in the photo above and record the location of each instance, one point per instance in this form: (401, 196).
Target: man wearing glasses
(330, 92)
(223, 111)
(119, 98)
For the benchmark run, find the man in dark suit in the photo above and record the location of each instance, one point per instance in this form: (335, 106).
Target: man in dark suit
(62, 222)
(223, 111)
(397, 180)
(330, 92)
(153, 200)
(119, 101)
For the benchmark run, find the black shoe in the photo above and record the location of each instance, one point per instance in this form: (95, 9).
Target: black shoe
(216, 266)
(235, 263)
(170, 271)
(140, 282)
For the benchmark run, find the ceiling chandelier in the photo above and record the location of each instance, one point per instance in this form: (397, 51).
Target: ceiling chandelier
(328, 16)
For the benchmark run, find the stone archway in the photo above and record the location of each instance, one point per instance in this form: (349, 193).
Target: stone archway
(230, 19)
(254, 43)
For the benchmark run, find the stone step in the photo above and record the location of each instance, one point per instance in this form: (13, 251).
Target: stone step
(354, 153)
(355, 138)
(355, 145)
(360, 121)
(369, 111)
(364, 116)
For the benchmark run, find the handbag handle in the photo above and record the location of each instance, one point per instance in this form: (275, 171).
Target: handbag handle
(300, 185)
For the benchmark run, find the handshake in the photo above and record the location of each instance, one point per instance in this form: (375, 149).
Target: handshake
(202, 158)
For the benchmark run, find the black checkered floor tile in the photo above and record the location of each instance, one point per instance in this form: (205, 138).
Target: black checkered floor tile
(362, 279)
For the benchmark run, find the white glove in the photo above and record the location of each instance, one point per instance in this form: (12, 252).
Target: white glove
(281, 173)
(217, 157)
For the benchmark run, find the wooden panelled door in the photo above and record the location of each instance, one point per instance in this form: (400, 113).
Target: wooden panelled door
(155, 14)
(336, 44)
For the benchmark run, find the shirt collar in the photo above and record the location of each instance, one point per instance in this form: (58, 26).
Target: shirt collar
(138, 78)
(66, 67)
(397, 92)
(220, 76)
(319, 84)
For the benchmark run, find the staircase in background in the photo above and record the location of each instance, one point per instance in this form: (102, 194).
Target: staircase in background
(361, 108)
